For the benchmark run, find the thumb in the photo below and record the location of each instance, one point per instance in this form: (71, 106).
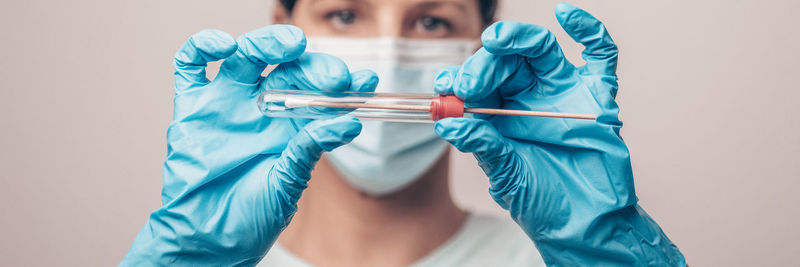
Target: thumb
(495, 155)
(292, 170)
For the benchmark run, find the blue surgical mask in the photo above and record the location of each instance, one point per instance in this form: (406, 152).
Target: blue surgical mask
(388, 156)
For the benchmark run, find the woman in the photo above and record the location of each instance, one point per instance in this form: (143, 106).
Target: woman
(233, 178)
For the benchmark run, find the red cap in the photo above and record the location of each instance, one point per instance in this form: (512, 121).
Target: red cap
(446, 106)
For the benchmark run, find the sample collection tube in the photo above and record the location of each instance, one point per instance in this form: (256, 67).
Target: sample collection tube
(380, 106)
(364, 105)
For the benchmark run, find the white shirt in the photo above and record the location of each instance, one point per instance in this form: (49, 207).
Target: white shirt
(481, 241)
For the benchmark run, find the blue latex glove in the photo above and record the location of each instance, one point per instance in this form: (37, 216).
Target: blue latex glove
(568, 183)
(233, 176)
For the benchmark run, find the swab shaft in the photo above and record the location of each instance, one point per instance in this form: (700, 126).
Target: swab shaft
(366, 105)
(512, 112)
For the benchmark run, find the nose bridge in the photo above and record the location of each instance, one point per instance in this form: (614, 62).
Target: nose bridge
(390, 21)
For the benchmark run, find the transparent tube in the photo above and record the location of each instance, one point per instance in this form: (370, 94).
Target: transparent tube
(321, 105)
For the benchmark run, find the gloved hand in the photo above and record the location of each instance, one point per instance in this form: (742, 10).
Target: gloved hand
(233, 176)
(568, 183)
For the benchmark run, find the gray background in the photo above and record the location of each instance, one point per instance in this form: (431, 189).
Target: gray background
(708, 96)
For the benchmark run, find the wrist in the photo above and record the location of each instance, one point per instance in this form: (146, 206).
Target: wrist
(624, 237)
(172, 239)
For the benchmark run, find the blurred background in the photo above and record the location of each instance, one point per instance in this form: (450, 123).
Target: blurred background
(708, 96)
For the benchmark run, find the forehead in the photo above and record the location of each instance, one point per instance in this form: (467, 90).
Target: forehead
(400, 3)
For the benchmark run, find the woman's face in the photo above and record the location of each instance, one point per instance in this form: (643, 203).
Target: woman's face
(392, 18)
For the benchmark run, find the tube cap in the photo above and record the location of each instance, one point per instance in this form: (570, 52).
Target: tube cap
(446, 106)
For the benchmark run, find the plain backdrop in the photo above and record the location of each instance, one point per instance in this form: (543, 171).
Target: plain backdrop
(708, 94)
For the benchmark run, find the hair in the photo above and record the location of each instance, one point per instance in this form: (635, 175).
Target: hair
(487, 9)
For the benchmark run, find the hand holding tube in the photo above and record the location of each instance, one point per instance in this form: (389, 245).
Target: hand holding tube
(567, 183)
(232, 176)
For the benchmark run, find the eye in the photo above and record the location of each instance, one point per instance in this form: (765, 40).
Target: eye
(432, 24)
(342, 17)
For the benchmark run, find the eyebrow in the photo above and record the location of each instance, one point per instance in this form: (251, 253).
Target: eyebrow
(358, 1)
(434, 3)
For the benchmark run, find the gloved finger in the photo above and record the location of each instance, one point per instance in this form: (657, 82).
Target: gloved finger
(495, 155)
(363, 81)
(483, 72)
(311, 71)
(191, 60)
(273, 44)
(534, 42)
(601, 52)
(443, 83)
(515, 55)
(292, 170)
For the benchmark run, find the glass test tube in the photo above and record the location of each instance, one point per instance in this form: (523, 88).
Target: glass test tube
(381, 106)
(363, 105)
